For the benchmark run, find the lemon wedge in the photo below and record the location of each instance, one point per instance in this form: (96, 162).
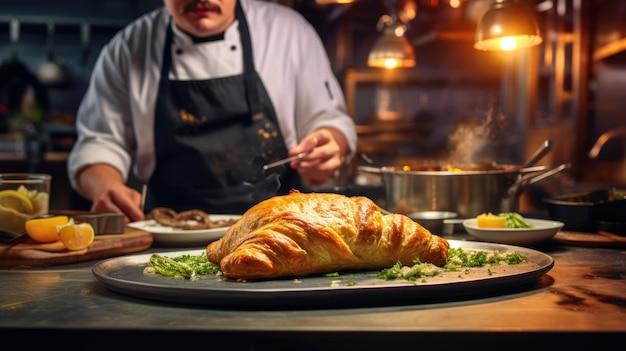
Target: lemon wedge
(16, 200)
(489, 220)
(44, 230)
(76, 236)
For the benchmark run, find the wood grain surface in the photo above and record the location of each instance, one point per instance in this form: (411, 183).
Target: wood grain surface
(28, 253)
(599, 239)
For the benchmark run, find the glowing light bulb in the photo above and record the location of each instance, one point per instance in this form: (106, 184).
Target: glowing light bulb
(508, 43)
(391, 63)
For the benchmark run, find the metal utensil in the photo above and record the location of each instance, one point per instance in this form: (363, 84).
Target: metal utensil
(103, 223)
(283, 161)
(542, 151)
(144, 193)
(51, 72)
(7, 236)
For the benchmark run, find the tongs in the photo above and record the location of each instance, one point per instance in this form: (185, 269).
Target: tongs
(284, 160)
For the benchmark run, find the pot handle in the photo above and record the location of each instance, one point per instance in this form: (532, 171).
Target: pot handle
(528, 179)
(533, 169)
(368, 169)
(548, 173)
(533, 178)
(542, 151)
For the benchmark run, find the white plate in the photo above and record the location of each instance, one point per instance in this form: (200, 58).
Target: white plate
(168, 236)
(541, 231)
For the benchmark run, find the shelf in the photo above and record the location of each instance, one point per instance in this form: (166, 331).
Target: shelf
(608, 50)
(59, 20)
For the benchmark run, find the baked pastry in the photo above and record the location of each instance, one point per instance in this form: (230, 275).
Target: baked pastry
(304, 233)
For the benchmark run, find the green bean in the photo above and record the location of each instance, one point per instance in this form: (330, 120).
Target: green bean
(515, 220)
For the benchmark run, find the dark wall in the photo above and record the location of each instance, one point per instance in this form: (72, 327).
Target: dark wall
(77, 57)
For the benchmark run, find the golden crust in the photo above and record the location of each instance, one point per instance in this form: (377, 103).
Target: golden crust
(304, 233)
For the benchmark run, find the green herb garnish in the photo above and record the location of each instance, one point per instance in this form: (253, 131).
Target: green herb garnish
(184, 266)
(458, 260)
(194, 266)
(412, 274)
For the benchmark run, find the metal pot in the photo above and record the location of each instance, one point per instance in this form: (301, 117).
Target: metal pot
(600, 209)
(468, 191)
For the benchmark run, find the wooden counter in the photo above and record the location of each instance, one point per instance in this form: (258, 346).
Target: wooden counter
(579, 302)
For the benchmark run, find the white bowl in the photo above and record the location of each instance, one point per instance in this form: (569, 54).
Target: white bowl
(541, 231)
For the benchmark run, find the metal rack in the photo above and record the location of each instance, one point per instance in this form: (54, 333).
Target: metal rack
(61, 20)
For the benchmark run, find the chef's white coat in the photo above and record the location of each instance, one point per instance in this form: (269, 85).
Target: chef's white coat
(115, 119)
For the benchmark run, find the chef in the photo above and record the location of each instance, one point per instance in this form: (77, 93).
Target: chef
(197, 97)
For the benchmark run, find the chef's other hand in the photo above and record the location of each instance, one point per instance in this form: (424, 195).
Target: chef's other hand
(104, 186)
(325, 149)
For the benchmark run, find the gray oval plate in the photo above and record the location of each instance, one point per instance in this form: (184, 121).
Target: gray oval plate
(125, 275)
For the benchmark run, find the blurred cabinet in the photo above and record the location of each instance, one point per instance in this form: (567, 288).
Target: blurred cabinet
(579, 94)
(412, 112)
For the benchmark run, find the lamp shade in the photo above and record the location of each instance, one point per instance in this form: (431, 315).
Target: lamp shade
(391, 51)
(507, 25)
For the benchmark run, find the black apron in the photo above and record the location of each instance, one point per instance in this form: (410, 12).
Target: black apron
(212, 138)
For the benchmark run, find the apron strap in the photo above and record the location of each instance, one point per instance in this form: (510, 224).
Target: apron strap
(248, 62)
(167, 54)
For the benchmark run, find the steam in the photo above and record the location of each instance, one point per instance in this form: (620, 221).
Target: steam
(482, 141)
(464, 143)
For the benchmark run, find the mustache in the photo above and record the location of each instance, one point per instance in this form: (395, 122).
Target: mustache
(202, 5)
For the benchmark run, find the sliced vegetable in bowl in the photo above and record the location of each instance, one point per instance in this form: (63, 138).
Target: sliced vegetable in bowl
(502, 220)
(541, 231)
(515, 220)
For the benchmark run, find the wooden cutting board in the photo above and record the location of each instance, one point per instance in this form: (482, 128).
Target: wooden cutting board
(28, 253)
(599, 239)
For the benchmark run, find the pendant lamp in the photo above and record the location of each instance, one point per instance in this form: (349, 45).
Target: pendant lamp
(507, 25)
(391, 49)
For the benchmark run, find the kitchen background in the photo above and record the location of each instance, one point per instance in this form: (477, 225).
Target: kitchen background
(458, 104)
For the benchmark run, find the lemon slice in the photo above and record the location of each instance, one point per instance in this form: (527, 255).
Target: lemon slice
(16, 200)
(76, 236)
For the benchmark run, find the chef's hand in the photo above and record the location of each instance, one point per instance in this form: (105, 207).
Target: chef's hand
(325, 149)
(104, 186)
